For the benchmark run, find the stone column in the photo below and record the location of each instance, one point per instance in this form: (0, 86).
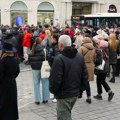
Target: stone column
(66, 12)
(94, 8)
(63, 13)
(5, 16)
(32, 13)
(98, 8)
(69, 12)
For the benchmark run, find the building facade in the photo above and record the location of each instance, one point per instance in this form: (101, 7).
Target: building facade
(51, 11)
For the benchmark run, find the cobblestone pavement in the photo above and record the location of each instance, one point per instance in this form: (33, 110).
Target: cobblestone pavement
(98, 110)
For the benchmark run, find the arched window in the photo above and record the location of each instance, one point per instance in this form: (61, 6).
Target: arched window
(18, 9)
(45, 13)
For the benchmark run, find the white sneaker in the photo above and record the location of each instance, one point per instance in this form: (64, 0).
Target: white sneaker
(54, 100)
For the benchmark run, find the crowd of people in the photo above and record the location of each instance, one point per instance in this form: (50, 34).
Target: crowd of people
(72, 55)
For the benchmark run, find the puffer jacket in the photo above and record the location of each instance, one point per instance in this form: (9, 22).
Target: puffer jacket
(68, 74)
(88, 51)
(38, 57)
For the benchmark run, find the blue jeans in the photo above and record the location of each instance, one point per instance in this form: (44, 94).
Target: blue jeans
(45, 86)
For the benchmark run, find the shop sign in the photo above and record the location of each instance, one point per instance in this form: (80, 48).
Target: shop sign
(76, 18)
(12, 10)
(112, 9)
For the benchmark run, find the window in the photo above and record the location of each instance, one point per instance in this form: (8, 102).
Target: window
(80, 8)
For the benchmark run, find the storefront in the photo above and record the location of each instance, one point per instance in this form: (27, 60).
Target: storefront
(51, 11)
(18, 10)
(45, 13)
(81, 8)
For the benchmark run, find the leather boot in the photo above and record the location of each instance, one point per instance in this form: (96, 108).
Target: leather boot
(112, 80)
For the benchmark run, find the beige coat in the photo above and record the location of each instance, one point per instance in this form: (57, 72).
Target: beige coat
(88, 51)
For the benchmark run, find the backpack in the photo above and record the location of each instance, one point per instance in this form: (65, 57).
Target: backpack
(99, 57)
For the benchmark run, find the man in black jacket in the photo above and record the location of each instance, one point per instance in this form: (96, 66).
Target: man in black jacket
(67, 78)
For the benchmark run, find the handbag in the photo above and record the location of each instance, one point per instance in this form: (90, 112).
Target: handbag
(45, 69)
(101, 67)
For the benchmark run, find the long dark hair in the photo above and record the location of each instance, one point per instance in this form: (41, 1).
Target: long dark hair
(37, 41)
(56, 36)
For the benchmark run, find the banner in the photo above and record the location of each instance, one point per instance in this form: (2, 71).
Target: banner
(19, 21)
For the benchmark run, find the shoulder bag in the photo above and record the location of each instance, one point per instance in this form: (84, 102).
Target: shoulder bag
(45, 69)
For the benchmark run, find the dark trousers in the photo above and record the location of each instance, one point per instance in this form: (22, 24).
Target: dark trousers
(88, 90)
(113, 70)
(101, 81)
(118, 67)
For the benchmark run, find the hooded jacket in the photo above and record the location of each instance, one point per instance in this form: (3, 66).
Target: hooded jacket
(88, 51)
(68, 74)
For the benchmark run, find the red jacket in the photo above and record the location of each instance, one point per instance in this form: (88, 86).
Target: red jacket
(42, 36)
(27, 40)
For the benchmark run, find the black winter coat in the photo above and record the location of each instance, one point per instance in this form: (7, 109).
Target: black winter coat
(9, 70)
(38, 57)
(53, 51)
(68, 74)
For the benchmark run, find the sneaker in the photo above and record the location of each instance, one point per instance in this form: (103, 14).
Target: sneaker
(89, 101)
(45, 101)
(54, 100)
(98, 97)
(37, 103)
(110, 96)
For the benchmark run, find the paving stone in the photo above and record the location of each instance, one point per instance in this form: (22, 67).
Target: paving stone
(98, 110)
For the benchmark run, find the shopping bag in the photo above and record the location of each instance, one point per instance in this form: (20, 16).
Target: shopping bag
(100, 67)
(45, 69)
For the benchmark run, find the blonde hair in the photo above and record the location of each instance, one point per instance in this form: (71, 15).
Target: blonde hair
(113, 42)
(47, 32)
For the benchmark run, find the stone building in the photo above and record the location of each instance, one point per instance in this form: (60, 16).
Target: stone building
(52, 11)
